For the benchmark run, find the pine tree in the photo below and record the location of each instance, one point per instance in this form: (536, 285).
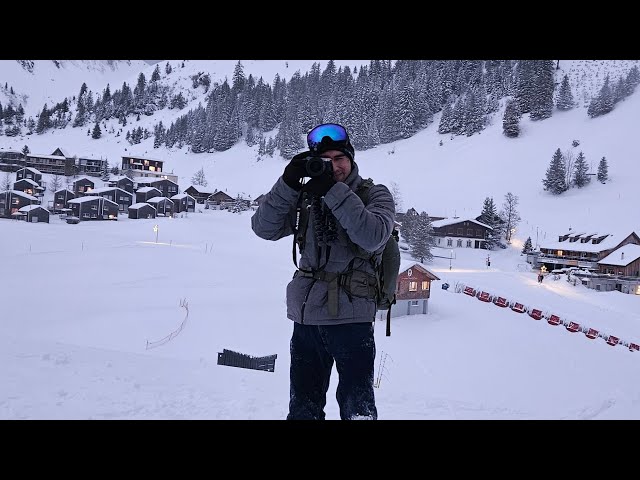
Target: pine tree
(489, 216)
(511, 120)
(422, 238)
(603, 170)
(555, 181)
(26, 150)
(7, 182)
(528, 246)
(105, 174)
(580, 176)
(565, 97)
(97, 133)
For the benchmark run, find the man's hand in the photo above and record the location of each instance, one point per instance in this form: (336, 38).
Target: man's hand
(296, 170)
(321, 184)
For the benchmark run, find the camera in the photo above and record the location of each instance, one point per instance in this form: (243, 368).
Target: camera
(316, 166)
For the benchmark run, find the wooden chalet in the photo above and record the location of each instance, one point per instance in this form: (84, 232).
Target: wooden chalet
(11, 201)
(145, 193)
(142, 210)
(115, 194)
(184, 202)
(198, 192)
(93, 207)
(163, 205)
(35, 214)
(413, 290)
(460, 233)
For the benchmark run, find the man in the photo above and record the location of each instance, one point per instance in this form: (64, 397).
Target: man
(331, 298)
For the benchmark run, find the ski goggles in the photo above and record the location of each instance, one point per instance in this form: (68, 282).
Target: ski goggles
(335, 132)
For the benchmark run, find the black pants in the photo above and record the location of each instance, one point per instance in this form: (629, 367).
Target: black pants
(314, 348)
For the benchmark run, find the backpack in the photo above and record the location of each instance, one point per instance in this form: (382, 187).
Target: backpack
(387, 270)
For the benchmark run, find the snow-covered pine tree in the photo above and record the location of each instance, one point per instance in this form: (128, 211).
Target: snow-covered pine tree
(603, 170)
(96, 133)
(511, 119)
(422, 238)
(580, 173)
(105, 174)
(565, 97)
(528, 246)
(554, 180)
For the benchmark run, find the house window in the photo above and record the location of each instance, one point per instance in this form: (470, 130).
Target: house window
(468, 243)
(94, 207)
(425, 285)
(85, 215)
(459, 231)
(414, 303)
(449, 242)
(469, 232)
(459, 243)
(439, 240)
(478, 233)
(449, 231)
(413, 286)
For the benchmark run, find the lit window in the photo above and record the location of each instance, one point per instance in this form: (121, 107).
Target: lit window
(425, 285)
(413, 286)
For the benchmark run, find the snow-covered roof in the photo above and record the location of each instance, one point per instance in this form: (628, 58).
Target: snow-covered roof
(199, 188)
(405, 264)
(96, 191)
(159, 199)
(64, 189)
(84, 177)
(136, 206)
(28, 180)
(64, 152)
(152, 180)
(117, 178)
(612, 240)
(28, 208)
(622, 256)
(90, 198)
(452, 221)
(180, 196)
(34, 170)
(146, 189)
(22, 194)
(42, 155)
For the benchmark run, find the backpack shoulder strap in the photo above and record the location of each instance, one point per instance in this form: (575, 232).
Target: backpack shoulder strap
(300, 228)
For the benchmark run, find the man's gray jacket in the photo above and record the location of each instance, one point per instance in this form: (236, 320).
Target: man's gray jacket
(368, 227)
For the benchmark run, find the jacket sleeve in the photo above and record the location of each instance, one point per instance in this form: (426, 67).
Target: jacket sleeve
(370, 226)
(274, 218)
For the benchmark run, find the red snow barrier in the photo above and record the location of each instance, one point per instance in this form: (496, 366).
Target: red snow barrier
(518, 307)
(535, 314)
(470, 291)
(500, 302)
(573, 327)
(591, 333)
(484, 297)
(633, 346)
(554, 320)
(613, 341)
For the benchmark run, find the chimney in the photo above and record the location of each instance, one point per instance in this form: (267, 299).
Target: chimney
(622, 256)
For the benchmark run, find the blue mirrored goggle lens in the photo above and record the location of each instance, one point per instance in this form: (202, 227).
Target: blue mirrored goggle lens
(335, 132)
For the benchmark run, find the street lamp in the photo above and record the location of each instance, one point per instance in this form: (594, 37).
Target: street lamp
(450, 257)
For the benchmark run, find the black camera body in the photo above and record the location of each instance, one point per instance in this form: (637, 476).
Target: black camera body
(317, 166)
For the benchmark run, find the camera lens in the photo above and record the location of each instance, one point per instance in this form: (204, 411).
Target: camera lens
(315, 166)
